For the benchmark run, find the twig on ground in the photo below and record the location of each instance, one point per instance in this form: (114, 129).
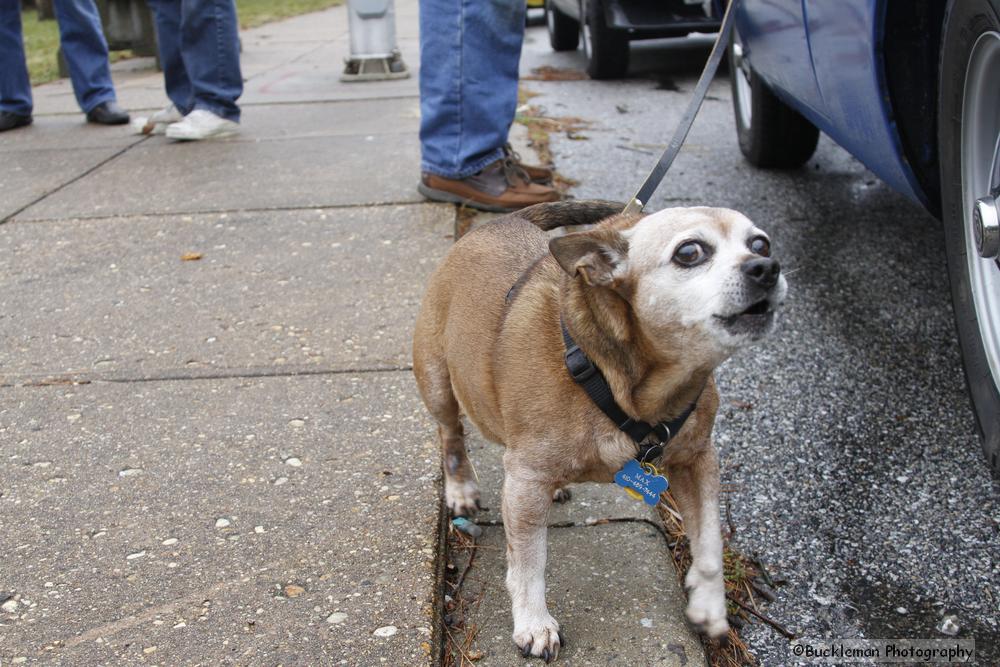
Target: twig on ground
(770, 621)
(465, 656)
(468, 566)
(459, 650)
(763, 592)
(729, 520)
(746, 585)
(763, 571)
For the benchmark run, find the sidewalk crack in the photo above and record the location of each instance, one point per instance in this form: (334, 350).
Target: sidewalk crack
(71, 181)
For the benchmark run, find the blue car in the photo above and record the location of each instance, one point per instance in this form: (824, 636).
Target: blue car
(912, 89)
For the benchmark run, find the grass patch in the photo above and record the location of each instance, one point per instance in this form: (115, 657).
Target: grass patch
(41, 43)
(253, 13)
(41, 38)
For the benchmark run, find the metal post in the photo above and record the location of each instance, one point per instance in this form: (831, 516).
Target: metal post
(374, 55)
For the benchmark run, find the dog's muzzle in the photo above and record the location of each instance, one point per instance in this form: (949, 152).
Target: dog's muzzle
(762, 276)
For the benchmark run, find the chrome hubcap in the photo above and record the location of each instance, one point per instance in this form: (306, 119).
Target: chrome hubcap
(980, 188)
(986, 228)
(744, 95)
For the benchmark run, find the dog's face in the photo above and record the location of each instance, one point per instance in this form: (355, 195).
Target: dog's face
(709, 270)
(699, 279)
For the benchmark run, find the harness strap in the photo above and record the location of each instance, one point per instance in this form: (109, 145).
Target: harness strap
(589, 377)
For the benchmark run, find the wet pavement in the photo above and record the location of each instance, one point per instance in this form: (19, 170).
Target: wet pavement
(847, 440)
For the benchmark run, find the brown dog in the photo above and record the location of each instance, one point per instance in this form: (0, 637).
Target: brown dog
(656, 302)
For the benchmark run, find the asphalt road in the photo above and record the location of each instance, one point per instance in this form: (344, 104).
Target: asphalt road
(847, 440)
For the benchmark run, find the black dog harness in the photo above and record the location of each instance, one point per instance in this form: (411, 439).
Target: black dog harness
(588, 376)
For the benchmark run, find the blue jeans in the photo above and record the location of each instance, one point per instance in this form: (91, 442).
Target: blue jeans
(200, 54)
(83, 44)
(469, 54)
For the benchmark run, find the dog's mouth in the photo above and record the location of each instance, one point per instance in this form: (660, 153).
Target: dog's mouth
(762, 307)
(751, 319)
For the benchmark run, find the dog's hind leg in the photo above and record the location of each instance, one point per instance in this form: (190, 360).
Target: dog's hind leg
(461, 492)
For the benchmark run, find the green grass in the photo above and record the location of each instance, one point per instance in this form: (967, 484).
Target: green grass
(258, 12)
(41, 42)
(41, 38)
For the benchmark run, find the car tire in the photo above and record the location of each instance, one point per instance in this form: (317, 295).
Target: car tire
(564, 30)
(606, 48)
(968, 120)
(771, 133)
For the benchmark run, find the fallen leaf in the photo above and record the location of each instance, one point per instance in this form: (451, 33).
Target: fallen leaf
(191, 257)
(549, 73)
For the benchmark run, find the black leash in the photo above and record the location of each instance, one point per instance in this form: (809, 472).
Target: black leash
(588, 376)
(641, 198)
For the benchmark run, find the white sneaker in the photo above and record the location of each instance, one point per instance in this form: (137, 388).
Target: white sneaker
(201, 124)
(157, 123)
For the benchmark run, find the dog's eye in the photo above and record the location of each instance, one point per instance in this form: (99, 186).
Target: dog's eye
(760, 246)
(690, 253)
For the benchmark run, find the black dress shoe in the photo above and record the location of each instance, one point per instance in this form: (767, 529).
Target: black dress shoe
(107, 113)
(8, 120)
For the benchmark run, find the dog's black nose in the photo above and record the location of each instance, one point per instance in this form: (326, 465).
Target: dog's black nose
(762, 271)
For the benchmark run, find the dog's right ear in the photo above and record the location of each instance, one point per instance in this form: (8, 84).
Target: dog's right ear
(599, 255)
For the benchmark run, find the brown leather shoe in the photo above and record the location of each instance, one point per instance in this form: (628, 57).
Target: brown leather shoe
(536, 173)
(502, 187)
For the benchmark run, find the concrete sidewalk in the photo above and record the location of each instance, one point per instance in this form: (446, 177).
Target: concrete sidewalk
(224, 460)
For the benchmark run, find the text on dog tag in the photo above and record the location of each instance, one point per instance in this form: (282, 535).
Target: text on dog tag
(642, 481)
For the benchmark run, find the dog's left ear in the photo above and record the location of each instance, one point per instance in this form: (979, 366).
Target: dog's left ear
(598, 255)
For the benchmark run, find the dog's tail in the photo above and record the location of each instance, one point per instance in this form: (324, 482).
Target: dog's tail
(572, 212)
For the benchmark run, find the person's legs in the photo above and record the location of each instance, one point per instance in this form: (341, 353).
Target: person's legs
(210, 47)
(469, 54)
(86, 51)
(167, 14)
(15, 88)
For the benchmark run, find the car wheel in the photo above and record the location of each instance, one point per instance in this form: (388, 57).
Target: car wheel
(771, 133)
(564, 31)
(606, 49)
(969, 149)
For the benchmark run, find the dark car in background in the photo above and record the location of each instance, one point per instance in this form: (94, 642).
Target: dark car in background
(605, 27)
(912, 89)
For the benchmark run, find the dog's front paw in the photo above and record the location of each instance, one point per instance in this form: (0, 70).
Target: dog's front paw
(462, 498)
(707, 602)
(538, 637)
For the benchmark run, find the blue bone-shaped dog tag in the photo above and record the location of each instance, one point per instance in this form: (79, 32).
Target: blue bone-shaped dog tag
(641, 481)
